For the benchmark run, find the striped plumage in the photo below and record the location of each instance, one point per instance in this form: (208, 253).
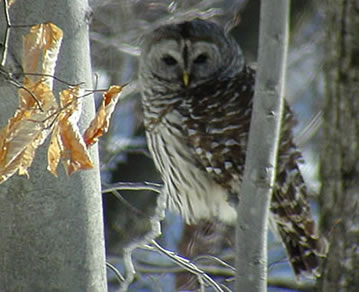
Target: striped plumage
(197, 132)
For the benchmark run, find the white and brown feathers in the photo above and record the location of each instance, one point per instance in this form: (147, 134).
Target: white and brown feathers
(198, 133)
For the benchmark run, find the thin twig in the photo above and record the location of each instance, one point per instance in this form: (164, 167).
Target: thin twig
(281, 260)
(155, 268)
(56, 114)
(226, 288)
(19, 86)
(23, 25)
(190, 267)
(155, 222)
(137, 186)
(126, 203)
(218, 260)
(96, 82)
(7, 33)
(290, 284)
(116, 272)
(309, 130)
(202, 286)
(51, 76)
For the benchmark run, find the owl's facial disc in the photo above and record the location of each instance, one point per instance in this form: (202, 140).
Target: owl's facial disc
(204, 61)
(184, 62)
(164, 60)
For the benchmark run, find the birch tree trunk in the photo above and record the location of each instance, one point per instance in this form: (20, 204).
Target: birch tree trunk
(260, 165)
(51, 229)
(339, 198)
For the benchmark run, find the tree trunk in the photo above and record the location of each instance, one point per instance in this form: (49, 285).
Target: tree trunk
(340, 155)
(260, 165)
(51, 229)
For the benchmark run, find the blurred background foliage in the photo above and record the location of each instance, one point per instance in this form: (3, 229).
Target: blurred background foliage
(116, 29)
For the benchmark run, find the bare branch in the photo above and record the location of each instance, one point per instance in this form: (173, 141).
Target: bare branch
(145, 266)
(155, 222)
(290, 284)
(126, 203)
(117, 272)
(186, 264)
(130, 186)
(7, 33)
(309, 130)
(216, 259)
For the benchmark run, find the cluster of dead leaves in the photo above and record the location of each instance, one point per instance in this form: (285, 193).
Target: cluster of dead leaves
(39, 114)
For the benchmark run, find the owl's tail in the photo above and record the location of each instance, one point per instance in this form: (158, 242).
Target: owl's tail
(294, 222)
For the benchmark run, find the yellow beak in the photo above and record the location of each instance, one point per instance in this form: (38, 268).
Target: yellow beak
(185, 78)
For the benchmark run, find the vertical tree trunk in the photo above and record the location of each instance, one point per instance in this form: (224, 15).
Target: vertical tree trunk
(340, 156)
(260, 165)
(51, 229)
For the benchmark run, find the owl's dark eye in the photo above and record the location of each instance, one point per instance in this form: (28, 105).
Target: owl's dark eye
(168, 60)
(201, 59)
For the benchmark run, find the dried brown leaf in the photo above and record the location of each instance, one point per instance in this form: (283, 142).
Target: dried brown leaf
(32, 122)
(41, 48)
(66, 141)
(54, 151)
(27, 129)
(76, 157)
(100, 123)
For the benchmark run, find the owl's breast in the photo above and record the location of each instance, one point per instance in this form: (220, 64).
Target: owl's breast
(190, 189)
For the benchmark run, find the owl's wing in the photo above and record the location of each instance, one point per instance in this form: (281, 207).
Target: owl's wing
(290, 208)
(218, 126)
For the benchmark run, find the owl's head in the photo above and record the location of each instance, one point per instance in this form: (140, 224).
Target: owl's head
(183, 55)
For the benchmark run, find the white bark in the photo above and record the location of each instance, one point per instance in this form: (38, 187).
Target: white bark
(51, 229)
(260, 166)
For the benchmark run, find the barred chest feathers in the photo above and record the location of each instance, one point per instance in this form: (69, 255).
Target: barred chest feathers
(189, 188)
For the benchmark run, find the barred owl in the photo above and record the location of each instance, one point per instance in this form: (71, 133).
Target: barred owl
(197, 95)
